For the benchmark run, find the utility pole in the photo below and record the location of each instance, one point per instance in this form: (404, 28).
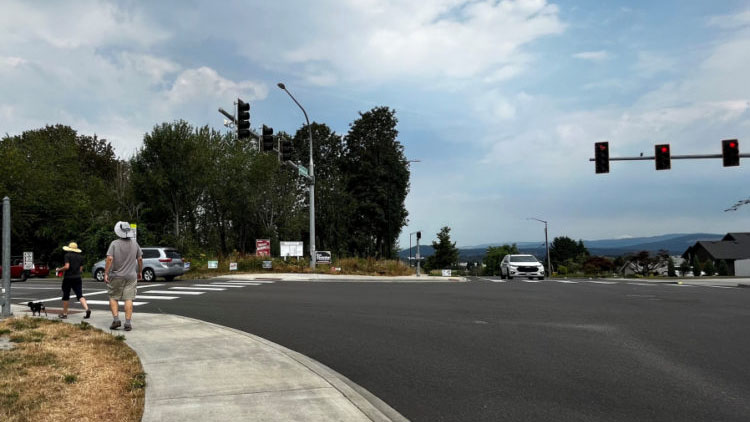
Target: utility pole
(546, 245)
(419, 236)
(6, 258)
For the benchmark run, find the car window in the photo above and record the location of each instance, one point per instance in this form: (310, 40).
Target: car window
(172, 253)
(150, 253)
(523, 258)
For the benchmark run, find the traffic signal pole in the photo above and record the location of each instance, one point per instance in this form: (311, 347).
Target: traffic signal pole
(6, 259)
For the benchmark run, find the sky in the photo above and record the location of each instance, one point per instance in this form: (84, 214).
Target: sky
(500, 101)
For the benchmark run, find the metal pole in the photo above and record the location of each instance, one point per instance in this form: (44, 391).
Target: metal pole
(410, 249)
(418, 256)
(546, 244)
(311, 187)
(6, 257)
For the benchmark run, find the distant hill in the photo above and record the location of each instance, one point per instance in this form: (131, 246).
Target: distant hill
(676, 244)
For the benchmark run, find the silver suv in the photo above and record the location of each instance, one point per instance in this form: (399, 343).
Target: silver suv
(158, 261)
(521, 266)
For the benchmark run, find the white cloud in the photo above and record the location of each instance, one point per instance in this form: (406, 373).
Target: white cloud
(11, 62)
(731, 21)
(204, 83)
(594, 56)
(447, 38)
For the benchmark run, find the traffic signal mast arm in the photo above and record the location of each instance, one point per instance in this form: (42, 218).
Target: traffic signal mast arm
(674, 157)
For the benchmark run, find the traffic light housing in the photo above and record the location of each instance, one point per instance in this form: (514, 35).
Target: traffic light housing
(243, 119)
(601, 157)
(286, 151)
(730, 152)
(662, 157)
(267, 139)
(419, 235)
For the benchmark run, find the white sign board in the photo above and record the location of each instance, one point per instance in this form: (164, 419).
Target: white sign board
(291, 249)
(28, 260)
(232, 266)
(212, 265)
(446, 273)
(267, 265)
(187, 266)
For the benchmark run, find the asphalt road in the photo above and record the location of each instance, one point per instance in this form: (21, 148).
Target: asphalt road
(496, 351)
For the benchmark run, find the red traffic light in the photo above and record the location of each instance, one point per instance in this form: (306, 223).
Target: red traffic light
(665, 149)
(732, 145)
(602, 146)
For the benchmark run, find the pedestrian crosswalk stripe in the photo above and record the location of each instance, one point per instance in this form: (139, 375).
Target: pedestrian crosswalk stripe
(245, 283)
(248, 281)
(528, 280)
(215, 289)
(106, 302)
(642, 284)
(599, 282)
(219, 285)
(174, 292)
(566, 281)
(156, 297)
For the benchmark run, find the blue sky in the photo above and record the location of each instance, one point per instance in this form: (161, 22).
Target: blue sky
(500, 101)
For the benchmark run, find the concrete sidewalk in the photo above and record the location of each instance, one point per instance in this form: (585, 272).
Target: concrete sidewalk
(695, 281)
(198, 371)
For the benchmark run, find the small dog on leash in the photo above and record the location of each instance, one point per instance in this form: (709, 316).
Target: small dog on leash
(37, 308)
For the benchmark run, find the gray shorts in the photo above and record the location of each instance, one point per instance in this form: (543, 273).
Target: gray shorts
(120, 288)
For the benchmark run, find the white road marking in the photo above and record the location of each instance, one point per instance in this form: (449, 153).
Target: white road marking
(599, 282)
(174, 292)
(156, 297)
(244, 283)
(679, 285)
(106, 302)
(492, 280)
(528, 280)
(214, 289)
(248, 281)
(642, 284)
(722, 287)
(219, 285)
(565, 281)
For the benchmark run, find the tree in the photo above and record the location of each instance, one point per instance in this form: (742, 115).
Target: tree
(597, 265)
(564, 249)
(644, 263)
(495, 255)
(723, 267)
(709, 267)
(377, 180)
(684, 267)
(697, 267)
(671, 268)
(446, 253)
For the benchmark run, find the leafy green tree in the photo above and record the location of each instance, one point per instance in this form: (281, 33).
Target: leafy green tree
(564, 250)
(445, 252)
(495, 255)
(671, 268)
(598, 265)
(59, 181)
(709, 267)
(697, 267)
(684, 267)
(723, 267)
(377, 180)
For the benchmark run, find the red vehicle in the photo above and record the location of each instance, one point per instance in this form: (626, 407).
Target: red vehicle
(17, 271)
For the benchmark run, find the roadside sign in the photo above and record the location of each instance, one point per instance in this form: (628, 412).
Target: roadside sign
(446, 273)
(291, 249)
(28, 260)
(262, 247)
(303, 171)
(133, 231)
(323, 257)
(232, 266)
(187, 266)
(212, 265)
(267, 265)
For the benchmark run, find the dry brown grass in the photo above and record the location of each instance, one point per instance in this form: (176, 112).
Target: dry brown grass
(64, 372)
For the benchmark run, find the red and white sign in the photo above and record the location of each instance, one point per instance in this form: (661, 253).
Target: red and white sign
(262, 247)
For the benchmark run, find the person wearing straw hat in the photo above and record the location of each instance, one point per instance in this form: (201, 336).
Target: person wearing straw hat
(72, 269)
(122, 256)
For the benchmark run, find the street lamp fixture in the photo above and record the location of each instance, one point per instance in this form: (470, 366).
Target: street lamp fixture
(546, 244)
(311, 179)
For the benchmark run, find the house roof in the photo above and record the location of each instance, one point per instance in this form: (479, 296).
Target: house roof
(725, 249)
(742, 237)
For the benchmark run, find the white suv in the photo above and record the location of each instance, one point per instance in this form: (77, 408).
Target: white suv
(521, 266)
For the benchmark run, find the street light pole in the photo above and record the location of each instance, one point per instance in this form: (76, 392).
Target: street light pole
(311, 186)
(546, 245)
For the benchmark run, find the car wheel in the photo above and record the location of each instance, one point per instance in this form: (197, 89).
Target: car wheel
(24, 276)
(99, 274)
(148, 275)
(169, 277)
(510, 277)
(502, 277)
(540, 278)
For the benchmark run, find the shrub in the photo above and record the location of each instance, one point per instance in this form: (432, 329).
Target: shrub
(723, 268)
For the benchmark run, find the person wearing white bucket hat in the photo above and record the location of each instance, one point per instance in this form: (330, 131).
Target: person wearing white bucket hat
(122, 256)
(72, 278)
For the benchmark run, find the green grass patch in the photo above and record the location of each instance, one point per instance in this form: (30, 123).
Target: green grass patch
(138, 381)
(28, 337)
(70, 378)
(24, 323)
(84, 326)
(4, 331)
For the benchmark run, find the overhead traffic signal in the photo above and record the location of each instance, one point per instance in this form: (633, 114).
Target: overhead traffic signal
(419, 235)
(730, 152)
(662, 157)
(286, 151)
(601, 157)
(243, 119)
(267, 139)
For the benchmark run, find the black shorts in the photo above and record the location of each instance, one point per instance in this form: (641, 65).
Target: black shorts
(72, 283)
